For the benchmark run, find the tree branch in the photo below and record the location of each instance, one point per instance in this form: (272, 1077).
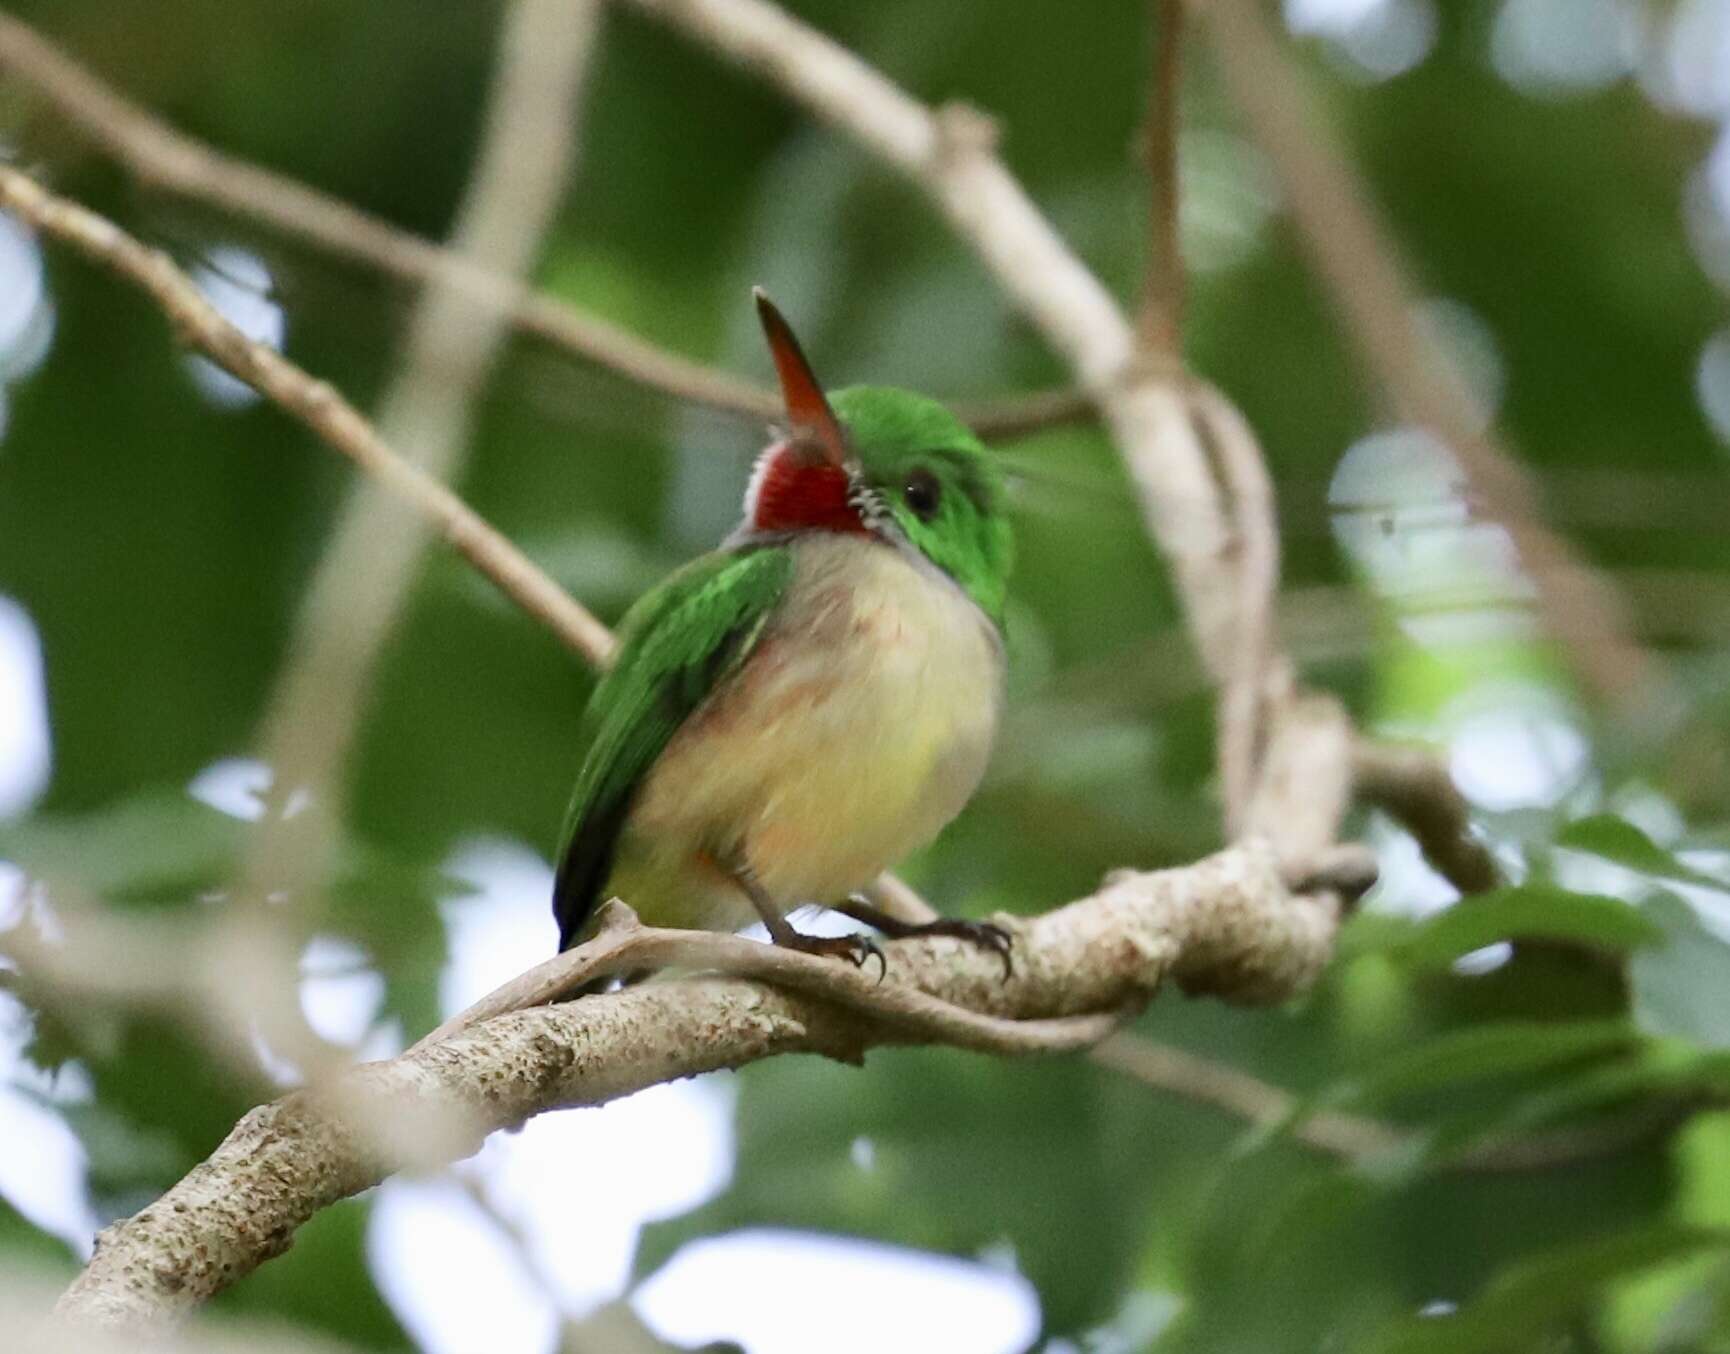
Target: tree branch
(1360, 267)
(1358, 1138)
(373, 555)
(1159, 322)
(625, 945)
(1414, 788)
(327, 414)
(1259, 677)
(1255, 677)
(28, 1322)
(1225, 925)
(165, 159)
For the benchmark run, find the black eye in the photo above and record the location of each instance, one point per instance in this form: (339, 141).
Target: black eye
(923, 493)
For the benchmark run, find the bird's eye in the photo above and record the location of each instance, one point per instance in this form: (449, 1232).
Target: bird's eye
(923, 493)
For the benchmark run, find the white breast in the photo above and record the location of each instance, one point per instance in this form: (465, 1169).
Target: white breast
(858, 728)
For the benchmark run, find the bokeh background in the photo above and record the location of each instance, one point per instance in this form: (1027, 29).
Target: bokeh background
(1557, 174)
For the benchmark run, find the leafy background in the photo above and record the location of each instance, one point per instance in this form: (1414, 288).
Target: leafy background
(1554, 171)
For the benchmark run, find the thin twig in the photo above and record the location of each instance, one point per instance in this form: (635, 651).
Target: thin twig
(165, 159)
(1245, 1097)
(1159, 322)
(1358, 1138)
(326, 413)
(1361, 269)
(1412, 785)
(361, 583)
(1260, 677)
(1252, 678)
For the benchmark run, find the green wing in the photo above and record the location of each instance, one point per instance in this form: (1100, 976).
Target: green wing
(677, 644)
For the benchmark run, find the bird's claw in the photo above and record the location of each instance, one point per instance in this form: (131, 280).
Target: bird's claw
(854, 948)
(988, 935)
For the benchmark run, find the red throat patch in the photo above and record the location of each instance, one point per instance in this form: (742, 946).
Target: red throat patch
(791, 492)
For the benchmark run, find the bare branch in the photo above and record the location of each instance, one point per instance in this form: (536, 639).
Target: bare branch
(373, 556)
(165, 159)
(1242, 1096)
(330, 417)
(1360, 267)
(1159, 323)
(1413, 786)
(30, 1326)
(1259, 675)
(1225, 925)
(1253, 675)
(1357, 1138)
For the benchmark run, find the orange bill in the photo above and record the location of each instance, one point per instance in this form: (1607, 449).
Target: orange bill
(814, 425)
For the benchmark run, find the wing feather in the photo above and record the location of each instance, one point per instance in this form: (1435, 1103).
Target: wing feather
(677, 645)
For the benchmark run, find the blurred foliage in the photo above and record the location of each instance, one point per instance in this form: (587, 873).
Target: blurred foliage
(160, 545)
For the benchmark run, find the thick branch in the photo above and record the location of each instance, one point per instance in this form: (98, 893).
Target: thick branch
(1225, 925)
(165, 159)
(624, 945)
(29, 1325)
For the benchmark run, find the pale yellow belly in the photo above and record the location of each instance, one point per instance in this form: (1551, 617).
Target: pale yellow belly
(858, 728)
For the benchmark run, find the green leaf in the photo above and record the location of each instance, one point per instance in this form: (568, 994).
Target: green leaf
(1533, 1297)
(1683, 987)
(157, 842)
(1483, 1052)
(1526, 912)
(1616, 839)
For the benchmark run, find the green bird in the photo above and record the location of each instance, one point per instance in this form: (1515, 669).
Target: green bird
(793, 713)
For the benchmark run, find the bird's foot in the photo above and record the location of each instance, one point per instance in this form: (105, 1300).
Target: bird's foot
(856, 949)
(985, 934)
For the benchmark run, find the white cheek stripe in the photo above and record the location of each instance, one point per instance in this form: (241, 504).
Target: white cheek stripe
(760, 473)
(861, 497)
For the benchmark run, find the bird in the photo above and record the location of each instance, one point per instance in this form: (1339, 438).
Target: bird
(796, 711)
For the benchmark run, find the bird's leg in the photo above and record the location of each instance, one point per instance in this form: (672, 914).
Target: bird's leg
(855, 948)
(986, 935)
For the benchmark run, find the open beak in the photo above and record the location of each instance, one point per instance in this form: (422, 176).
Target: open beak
(812, 423)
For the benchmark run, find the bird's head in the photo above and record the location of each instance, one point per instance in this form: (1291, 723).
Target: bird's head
(881, 462)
